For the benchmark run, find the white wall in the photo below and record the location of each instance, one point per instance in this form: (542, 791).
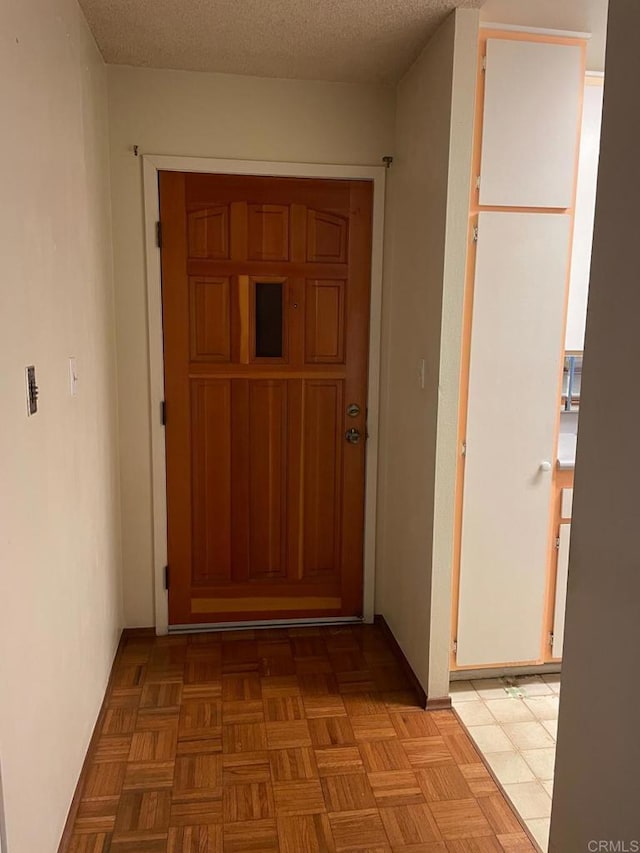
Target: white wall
(60, 596)
(584, 214)
(424, 272)
(206, 115)
(596, 778)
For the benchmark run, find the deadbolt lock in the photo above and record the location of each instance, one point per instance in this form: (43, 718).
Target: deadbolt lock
(352, 436)
(353, 410)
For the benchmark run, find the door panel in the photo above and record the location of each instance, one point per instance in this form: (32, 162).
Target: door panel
(267, 478)
(533, 95)
(321, 488)
(268, 232)
(326, 237)
(210, 319)
(324, 321)
(209, 233)
(264, 282)
(211, 467)
(516, 346)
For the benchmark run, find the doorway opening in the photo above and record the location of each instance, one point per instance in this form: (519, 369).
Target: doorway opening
(255, 301)
(532, 209)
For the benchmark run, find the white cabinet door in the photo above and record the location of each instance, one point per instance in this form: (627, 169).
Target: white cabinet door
(585, 213)
(561, 590)
(530, 125)
(516, 348)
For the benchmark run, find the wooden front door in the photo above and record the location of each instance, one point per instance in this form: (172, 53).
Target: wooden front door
(265, 294)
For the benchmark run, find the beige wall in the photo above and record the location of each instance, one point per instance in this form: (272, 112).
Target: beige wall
(427, 207)
(60, 596)
(206, 115)
(458, 235)
(596, 779)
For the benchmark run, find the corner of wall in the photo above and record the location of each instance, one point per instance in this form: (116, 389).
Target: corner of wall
(112, 308)
(463, 100)
(425, 253)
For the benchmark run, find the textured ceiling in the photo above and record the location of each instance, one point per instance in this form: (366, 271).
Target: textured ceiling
(348, 40)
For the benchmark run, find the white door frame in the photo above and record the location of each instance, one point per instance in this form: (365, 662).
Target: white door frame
(151, 165)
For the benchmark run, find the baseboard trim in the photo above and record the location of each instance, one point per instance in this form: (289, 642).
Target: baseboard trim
(262, 624)
(138, 632)
(413, 678)
(72, 814)
(443, 704)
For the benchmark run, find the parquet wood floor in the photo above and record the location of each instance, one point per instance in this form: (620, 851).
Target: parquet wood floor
(298, 741)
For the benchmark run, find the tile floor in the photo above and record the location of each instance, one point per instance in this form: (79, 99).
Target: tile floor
(514, 723)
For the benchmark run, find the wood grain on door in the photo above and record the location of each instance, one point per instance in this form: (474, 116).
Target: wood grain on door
(266, 286)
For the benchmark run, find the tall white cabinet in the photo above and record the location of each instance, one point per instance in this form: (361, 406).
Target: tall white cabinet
(527, 167)
(518, 314)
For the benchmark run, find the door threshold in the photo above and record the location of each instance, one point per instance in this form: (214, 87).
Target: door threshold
(265, 623)
(478, 673)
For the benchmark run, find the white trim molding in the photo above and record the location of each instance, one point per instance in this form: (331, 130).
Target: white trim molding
(151, 165)
(538, 31)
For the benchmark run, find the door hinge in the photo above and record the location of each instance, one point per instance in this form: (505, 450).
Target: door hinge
(454, 646)
(159, 234)
(166, 577)
(475, 233)
(551, 638)
(463, 449)
(163, 413)
(478, 182)
(484, 63)
(557, 543)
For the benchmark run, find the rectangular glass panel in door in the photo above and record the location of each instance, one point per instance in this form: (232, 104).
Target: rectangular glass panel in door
(269, 319)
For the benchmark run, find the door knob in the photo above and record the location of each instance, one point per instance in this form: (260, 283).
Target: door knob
(352, 435)
(545, 466)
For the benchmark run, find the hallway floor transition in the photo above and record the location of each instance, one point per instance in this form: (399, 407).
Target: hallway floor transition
(514, 723)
